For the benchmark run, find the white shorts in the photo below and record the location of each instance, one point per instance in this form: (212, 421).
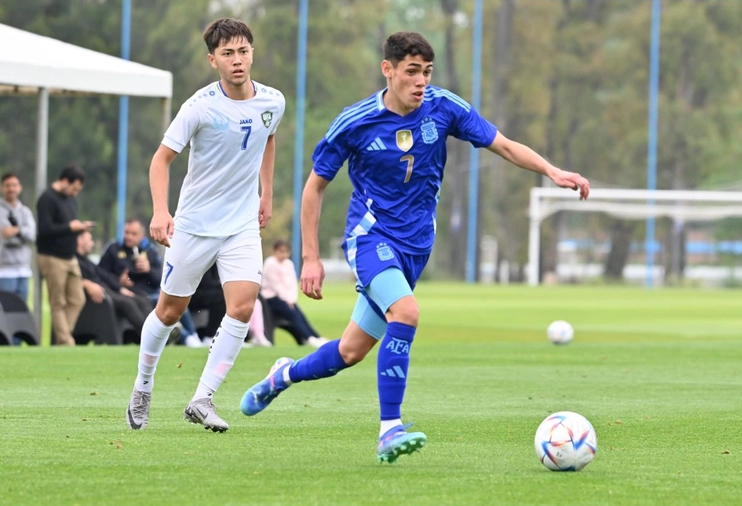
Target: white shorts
(238, 257)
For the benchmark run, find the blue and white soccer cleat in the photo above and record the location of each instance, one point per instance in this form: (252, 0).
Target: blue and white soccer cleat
(397, 441)
(260, 395)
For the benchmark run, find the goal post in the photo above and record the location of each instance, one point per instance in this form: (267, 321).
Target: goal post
(630, 204)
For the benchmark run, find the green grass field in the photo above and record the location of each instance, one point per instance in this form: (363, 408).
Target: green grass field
(657, 372)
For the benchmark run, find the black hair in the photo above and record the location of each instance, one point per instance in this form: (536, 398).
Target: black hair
(402, 44)
(8, 176)
(72, 173)
(224, 30)
(281, 243)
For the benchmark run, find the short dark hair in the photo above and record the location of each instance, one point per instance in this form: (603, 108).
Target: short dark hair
(402, 44)
(224, 30)
(8, 176)
(72, 173)
(281, 243)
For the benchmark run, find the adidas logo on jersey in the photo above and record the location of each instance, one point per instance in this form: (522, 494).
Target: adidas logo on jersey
(377, 145)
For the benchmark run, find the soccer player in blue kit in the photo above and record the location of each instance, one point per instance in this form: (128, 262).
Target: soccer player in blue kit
(395, 142)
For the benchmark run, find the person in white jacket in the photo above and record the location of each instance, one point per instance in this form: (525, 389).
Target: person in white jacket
(280, 290)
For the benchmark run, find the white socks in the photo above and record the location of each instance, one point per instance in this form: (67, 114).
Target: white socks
(223, 352)
(388, 424)
(154, 339)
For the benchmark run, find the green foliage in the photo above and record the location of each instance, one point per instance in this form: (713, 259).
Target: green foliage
(575, 90)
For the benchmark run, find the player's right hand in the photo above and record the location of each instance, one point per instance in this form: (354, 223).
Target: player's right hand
(161, 228)
(312, 276)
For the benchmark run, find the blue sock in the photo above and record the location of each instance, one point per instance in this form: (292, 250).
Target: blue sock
(323, 363)
(391, 368)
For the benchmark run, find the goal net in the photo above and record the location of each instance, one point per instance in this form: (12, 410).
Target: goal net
(682, 206)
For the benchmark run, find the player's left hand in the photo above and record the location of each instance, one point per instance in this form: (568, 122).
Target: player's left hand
(572, 180)
(266, 211)
(312, 276)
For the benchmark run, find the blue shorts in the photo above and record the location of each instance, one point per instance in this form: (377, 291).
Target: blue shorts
(384, 275)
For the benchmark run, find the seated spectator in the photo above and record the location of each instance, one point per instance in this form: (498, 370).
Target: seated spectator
(210, 296)
(281, 292)
(100, 284)
(138, 265)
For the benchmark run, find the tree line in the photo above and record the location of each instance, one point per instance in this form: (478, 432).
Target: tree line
(567, 77)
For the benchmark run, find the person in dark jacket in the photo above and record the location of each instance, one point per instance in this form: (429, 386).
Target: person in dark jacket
(56, 244)
(138, 266)
(100, 284)
(135, 261)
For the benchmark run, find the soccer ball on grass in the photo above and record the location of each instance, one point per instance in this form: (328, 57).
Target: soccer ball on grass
(560, 332)
(565, 441)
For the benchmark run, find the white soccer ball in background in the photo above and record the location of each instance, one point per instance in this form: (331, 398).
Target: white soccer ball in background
(565, 441)
(560, 332)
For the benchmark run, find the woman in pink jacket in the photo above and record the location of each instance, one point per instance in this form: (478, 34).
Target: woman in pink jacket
(281, 291)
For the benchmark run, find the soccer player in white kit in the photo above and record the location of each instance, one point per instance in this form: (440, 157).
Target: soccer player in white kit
(230, 125)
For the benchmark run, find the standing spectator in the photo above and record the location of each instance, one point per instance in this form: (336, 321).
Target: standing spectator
(18, 231)
(281, 291)
(138, 265)
(56, 245)
(100, 284)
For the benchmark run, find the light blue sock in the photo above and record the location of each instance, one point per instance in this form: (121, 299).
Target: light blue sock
(391, 368)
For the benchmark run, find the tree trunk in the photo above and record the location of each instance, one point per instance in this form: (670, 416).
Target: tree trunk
(496, 180)
(621, 234)
(455, 167)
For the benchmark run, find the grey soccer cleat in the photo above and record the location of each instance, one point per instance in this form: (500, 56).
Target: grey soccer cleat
(203, 411)
(137, 414)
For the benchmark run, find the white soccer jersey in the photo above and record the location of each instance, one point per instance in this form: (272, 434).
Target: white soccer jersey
(219, 196)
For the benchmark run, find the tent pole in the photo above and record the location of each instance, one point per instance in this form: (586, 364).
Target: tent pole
(42, 138)
(165, 113)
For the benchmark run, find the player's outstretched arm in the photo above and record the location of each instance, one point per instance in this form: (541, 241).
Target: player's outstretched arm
(161, 227)
(266, 182)
(524, 157)
(312, 271)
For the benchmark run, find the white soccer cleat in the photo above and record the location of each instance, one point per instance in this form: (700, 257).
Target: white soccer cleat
(203, 411)
(137, 413)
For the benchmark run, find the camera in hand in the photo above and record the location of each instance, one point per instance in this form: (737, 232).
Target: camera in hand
(13, 220)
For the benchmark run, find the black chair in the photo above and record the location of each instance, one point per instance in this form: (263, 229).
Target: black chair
(6, 337)
(99, 323)
(271, 322)
(18, 320)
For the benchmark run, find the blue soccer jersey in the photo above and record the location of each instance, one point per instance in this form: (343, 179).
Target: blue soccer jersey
(395, 163)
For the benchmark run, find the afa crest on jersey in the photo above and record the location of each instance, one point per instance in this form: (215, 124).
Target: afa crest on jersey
(404, 139)
(384, 252)
(429, 131)
(267, 118)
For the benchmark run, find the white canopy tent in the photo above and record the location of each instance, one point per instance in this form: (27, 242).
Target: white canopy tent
(34, 64)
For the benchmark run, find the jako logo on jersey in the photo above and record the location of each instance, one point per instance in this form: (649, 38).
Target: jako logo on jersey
(429, 131)
(404, 140)
(220, 121)
(247, 121)
(398, 347)
(385, 252)
(267, 118)
(377, 145)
